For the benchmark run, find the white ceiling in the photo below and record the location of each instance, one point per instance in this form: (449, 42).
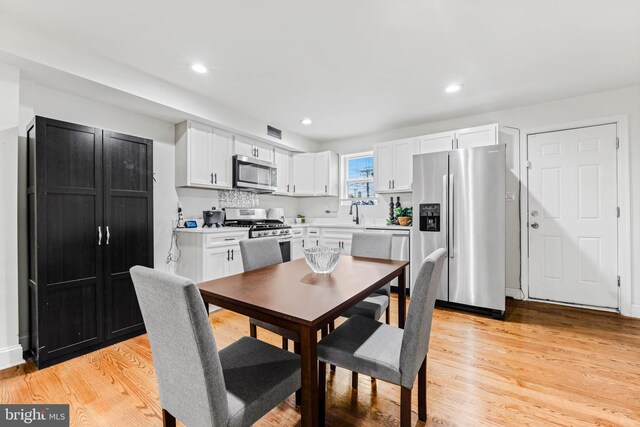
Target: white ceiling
(359, 66)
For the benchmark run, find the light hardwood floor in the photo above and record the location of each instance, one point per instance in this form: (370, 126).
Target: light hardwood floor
(544, 365)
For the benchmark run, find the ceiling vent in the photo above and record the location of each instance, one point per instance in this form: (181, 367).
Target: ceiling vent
(276, 133)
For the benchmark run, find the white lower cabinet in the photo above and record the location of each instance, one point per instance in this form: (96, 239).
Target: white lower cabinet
(338, 238)
(297, 243)
(209, 255)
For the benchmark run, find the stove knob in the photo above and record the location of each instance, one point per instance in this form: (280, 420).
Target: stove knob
(274, 232)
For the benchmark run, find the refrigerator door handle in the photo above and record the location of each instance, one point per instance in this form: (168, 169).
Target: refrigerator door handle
(445, 211)
(450, 218)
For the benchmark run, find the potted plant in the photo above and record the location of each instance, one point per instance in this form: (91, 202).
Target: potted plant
(300, 219)
(404, 215)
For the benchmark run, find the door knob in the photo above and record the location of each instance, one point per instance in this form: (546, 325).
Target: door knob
(534, 225)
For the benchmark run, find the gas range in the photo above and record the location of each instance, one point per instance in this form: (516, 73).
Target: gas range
(256, 221)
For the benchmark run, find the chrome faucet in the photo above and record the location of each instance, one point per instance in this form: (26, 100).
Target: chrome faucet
(357, 217)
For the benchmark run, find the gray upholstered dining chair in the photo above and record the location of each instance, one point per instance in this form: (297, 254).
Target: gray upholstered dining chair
(382, 351)
(371, 245)
(259, 253)
(200, 385)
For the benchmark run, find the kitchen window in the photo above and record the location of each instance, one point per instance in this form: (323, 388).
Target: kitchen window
(357, 179)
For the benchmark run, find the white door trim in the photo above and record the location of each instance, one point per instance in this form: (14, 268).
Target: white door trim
(624, 202)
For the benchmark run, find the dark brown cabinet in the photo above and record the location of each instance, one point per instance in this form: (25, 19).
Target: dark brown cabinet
(90, 203)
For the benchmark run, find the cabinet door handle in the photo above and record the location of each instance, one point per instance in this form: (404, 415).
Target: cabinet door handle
(294, 188)
(108, 235)
(99, 235)
(215, 178)
(229, 238)
(287, 188)
(232, 254)
(303, 243)
(228, 255)
(389, 185)
(393, 184)
(257, 152)
(325, 189)
(212, 177)
(317, 242)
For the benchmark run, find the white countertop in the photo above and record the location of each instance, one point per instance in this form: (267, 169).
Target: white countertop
(208, 230)
(354, 226)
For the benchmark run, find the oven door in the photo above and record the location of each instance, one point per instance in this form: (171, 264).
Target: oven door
(254, 175)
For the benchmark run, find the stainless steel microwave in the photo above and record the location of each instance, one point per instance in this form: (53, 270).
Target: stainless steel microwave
(251, 174)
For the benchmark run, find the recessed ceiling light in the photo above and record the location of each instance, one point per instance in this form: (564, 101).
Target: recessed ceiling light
(306, 121)
(199, 68)
(453, 87)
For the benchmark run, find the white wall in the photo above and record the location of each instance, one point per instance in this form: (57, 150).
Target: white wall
(10, 350)
(602, 104)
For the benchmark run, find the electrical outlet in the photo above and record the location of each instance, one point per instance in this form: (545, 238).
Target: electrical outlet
(511, 196)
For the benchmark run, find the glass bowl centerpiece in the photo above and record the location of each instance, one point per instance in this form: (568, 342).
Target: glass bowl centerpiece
(322, 259)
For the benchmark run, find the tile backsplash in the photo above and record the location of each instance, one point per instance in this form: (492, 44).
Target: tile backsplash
(238, 199)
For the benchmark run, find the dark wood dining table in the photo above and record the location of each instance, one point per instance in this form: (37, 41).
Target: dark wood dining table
(290, 295)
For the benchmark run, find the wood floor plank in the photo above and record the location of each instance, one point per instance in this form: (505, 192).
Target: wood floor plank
(543, 365)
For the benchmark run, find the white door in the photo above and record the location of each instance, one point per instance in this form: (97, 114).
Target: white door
(200, 155)
(436, 142)
(383, 166)
(322, 171)
(303, 174)
(478, 136)
(235, 261)
(243, 147)
(283, 164)
(296, 249)
(216, 263)
(264, 152)
(221, 159)
(403, 152)
(573, 216)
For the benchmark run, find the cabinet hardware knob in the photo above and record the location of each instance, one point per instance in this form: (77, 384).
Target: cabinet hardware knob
(99, 235)
(108, 235)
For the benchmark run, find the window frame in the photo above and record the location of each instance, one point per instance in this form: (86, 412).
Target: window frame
(345, 181)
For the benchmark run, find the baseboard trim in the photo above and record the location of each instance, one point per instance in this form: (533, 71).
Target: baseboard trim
(514, 293)
(24, 341)
(11, 356)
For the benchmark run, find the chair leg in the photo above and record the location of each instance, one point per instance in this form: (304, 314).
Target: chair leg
(405, 407)
(253, 332)
(296, 350)
(322, 387)
(332, 326)
(388, 316)
(422, 391)
(168, 420)
(354, 379)
(285, 343)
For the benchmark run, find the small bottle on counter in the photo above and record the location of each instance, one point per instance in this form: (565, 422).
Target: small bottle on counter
(392, 217)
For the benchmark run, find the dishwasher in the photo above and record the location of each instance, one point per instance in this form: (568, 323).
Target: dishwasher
(399, 250)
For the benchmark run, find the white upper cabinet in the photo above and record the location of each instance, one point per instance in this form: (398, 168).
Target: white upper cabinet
(303, 174)
(283, 164)
(326, 174)
(203, 156)
(393, 165)
(403, 152)
(222, 153)
(315, 174)
(477, 136)
(250, 148)
(437, 142)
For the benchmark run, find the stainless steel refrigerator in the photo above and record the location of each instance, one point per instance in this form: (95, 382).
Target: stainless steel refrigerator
(459, 204)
